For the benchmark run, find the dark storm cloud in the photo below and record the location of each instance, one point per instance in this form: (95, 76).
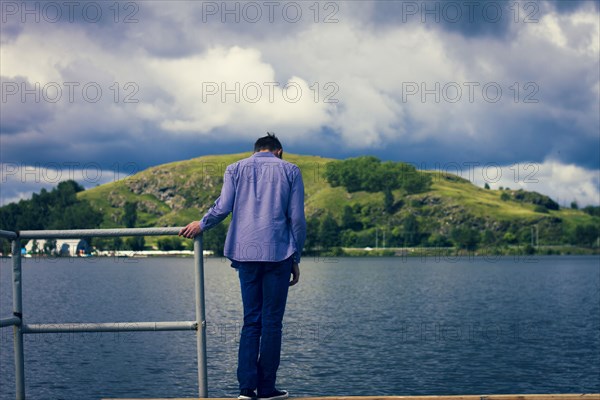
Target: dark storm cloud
(567, 6)
(116, 149)
(116, 135)
(479, 18)
(162, 28)
(20, 112)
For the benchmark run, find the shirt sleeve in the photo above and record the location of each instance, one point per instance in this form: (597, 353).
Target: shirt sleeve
(296, 214)
(224, 203)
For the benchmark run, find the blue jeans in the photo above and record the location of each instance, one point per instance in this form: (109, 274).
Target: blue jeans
(264, 294)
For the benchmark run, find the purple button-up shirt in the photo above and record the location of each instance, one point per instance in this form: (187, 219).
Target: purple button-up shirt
(266, 198)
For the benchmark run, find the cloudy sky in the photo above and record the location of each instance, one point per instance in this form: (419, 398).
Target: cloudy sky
(500, 91)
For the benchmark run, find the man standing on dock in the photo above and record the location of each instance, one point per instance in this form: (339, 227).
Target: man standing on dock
(265, 239)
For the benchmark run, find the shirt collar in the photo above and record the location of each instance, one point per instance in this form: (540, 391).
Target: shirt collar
(263, 154)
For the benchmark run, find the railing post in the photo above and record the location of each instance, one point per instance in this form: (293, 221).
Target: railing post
(200, 316)
(18, 312)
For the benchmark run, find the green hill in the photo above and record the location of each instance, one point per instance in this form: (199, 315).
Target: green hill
(174, 194)
(451, 211)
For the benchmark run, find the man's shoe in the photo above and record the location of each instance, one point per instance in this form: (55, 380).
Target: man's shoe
(247, 394)
(275, 395)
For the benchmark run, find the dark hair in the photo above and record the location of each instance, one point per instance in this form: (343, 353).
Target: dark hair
(269, 142)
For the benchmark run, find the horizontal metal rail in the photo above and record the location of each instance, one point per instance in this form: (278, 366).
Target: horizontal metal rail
(8, 234)
(110, 327)
(10, 321)
(82, 233)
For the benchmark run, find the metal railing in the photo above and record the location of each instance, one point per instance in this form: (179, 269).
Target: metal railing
(20, 328)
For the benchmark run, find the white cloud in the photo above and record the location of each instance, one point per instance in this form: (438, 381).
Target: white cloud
(373, 69)
(234, 89)
(578, 32)
(173, 59)
(20, 181)
(564, 183)
(368, 70)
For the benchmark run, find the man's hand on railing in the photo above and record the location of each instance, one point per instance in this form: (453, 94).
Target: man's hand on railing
(191, 230)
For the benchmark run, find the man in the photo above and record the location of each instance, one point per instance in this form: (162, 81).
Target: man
(265, 239)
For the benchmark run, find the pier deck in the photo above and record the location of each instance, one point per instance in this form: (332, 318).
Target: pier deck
(573, 396)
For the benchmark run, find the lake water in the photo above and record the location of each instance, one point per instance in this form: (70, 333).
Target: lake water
(353, 326)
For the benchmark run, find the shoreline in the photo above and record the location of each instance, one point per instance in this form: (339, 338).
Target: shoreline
(426, 252)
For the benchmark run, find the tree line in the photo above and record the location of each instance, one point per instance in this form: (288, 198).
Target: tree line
(370, 174)
(58, 208)
(390, 223)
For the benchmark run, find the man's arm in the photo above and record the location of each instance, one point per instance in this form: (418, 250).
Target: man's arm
(296, 214)
(217, 213)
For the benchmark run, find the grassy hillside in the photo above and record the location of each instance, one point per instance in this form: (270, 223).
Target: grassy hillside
(174, 194)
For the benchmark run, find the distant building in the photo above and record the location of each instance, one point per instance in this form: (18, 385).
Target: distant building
(72, 247)
(35, 246)
(64, 247)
